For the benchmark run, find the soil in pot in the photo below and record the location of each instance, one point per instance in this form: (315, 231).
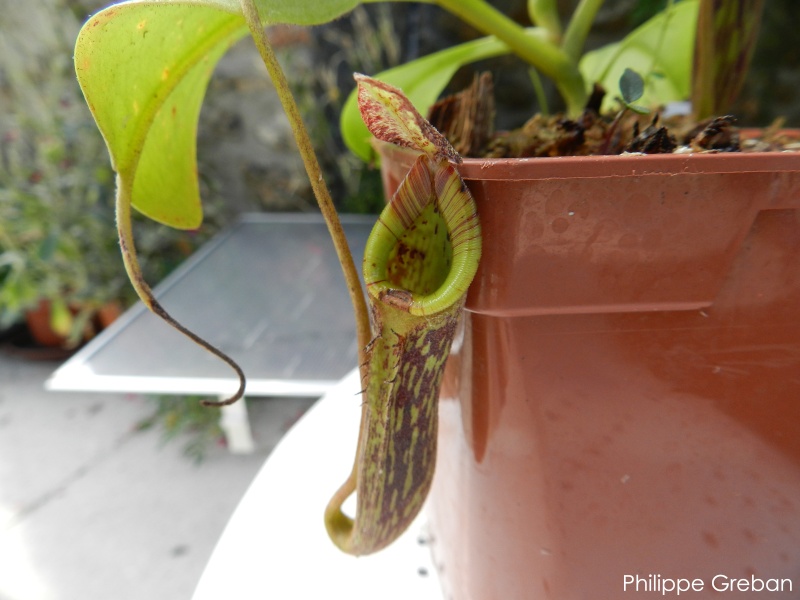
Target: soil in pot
(466, 118)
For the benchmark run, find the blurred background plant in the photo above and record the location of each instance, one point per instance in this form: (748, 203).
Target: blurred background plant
(57, 241)
(184, 418)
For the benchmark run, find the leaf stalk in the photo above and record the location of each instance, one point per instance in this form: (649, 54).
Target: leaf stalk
(314, 172)
(548, 58)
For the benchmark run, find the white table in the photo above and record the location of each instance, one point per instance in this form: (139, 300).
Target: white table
(268, 291)
(275, 546)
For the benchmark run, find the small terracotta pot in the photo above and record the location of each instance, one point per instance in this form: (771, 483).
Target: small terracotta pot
(38, 321)
(625, 398)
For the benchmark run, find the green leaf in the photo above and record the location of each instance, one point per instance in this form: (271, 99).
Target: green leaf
(300, 12)
(631, 86)
(422, 81)
(296, 12)
(60, 317)
(663, 45)
(144, 68)
(48, 247)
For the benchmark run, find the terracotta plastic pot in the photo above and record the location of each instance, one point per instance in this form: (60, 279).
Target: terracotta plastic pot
(625, 398)
(38, 321)
(39, 325)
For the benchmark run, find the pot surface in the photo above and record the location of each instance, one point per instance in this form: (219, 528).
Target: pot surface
(624, 399)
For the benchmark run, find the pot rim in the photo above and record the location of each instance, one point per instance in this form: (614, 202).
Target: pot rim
(619, 165)
(626, 165)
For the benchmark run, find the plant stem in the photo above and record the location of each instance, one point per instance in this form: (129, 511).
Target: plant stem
(314, 174)
(542, 54)
(131, 262)
(544, 13)
(538, 90)
(579, 26)
(726, 35)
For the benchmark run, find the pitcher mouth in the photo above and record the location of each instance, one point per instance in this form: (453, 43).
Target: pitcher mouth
(424, 250)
